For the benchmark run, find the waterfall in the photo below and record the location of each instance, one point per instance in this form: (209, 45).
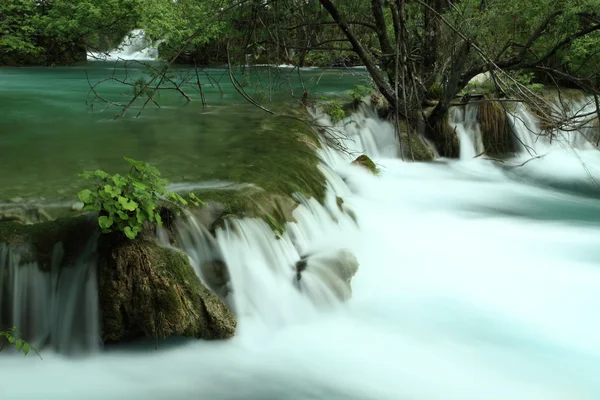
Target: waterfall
(579, 133)
(464, 121)
(56, 308)
(362, 132)
(468, 288)
(261, 267)
(135, 46)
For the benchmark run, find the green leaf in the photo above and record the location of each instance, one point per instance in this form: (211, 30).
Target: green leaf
(129, 232)
(139, 215)
(158, 219)
(86, 196)
(122, 215)
(127, 204)
(105, 222)
(113, 191)
(140, 185)
(26, 348)
(104, 194)
(119, 180)
(19, 344)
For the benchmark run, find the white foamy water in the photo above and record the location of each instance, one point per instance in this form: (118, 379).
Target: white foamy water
(579, 131)
(135, 46)
(473, 284)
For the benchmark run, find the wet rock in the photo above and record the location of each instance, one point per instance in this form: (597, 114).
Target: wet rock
(43, 215)
(151, 291)
(12, 214)
(365, 162)
(216, 277)
(333, 269)
(40, 239)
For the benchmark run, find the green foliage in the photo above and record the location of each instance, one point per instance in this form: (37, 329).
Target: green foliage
(527, 79)
(45, 32)
(125, 202)
(17, 30)
(182, 24)
(12, 336)
(335, 110)
(359, 92)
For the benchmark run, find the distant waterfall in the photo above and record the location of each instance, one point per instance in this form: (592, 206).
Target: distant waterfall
(135, 46)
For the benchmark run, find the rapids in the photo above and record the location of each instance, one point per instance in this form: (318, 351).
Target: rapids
(477, 280)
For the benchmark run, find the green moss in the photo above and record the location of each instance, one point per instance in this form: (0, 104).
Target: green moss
(366, 162)
(496, 132)
(151, 291)
(278, 156)
(279, 161)
(275, 209)
(415, 148)
(36, 242)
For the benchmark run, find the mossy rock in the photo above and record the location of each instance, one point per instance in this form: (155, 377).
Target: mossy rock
(365, 162)
(443, 136)
(151, 291)
(36, 242)
(274, 208)
(415, 148)
(496, 132)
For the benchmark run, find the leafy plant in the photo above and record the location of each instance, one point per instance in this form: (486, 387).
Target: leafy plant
(334, 110)
(11, 336)
(124, 203)
(359, 92)
(527, 79)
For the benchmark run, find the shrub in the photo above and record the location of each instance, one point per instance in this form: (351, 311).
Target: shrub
(124, 203)
(335, 110)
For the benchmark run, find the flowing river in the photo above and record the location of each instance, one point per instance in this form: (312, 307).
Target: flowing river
(477, 279)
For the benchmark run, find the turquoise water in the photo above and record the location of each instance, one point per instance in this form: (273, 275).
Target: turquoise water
(49, 133)
(475, 282)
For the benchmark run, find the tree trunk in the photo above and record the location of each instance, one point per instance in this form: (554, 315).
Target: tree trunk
(362, 53)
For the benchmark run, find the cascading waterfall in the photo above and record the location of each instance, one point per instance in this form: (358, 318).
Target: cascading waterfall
(531, 138)
(135, 46)
(462, 294)
(464, 121)
(52, 309)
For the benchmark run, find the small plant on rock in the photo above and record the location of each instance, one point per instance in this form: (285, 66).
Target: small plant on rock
(125, 202)
(335, 110)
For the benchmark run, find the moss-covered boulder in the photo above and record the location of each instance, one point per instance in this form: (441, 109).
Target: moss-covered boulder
(415, 148)
(365, 162)
(151, 291)
(496, 130)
